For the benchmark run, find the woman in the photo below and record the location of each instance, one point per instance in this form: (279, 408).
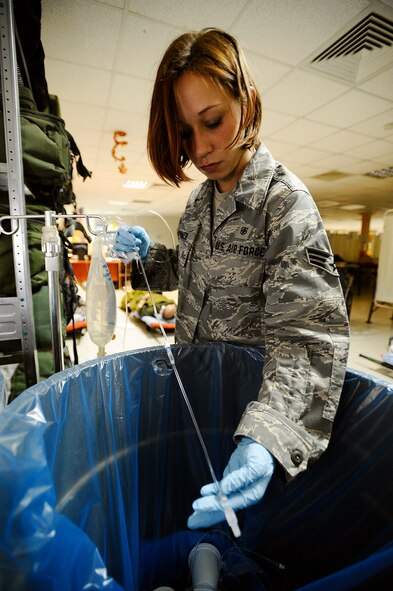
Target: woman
(253, 265)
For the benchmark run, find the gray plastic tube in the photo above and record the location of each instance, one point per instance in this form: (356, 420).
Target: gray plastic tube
(205, 565)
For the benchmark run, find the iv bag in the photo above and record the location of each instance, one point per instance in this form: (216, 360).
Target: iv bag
(100, 299)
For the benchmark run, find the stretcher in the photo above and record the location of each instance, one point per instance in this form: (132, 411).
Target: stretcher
(152, 323)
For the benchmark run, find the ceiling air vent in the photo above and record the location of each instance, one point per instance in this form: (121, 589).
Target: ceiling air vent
(359, 53)
(382, 173)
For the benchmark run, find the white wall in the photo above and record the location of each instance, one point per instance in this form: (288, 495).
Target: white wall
(156, 227)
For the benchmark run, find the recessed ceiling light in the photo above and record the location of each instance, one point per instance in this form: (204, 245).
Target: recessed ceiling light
(136, 184)
(352, 206)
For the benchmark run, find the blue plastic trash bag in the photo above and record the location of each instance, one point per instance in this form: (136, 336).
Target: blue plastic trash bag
(99, 466)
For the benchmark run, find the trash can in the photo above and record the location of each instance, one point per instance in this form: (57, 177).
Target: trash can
(100, 463)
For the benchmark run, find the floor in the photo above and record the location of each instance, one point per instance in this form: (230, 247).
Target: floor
(130, 334)
(370, 339)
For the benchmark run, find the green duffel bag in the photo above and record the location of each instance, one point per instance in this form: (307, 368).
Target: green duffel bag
(49, 152)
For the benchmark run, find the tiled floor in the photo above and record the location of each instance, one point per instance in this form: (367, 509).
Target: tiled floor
(370, 339)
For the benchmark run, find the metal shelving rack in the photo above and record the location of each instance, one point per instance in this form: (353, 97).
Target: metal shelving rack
(17, 329)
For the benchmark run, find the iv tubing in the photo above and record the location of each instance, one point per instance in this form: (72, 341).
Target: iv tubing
(229, 513)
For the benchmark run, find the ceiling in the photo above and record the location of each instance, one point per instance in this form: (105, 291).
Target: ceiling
(330, 124)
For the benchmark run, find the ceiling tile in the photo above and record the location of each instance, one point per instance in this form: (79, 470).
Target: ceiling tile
(338, 162)
(302, 132)
(384, 162)
(89, 154)
(129, 94)
(361, 167)
(380, 126)
(306, 155)
(132, 123)
(301, 92)
(266, 72)
(142, 44)
(353, 107)
(303, 171)
(381, 85)
(273, 121)
(80, 31)
(117, 3)
(101, 58)
(342, 141)
(292, 39)
(82, 115)
(190, 15)
(87, 137)
(377, 149)
(62, 76)
(278, 148)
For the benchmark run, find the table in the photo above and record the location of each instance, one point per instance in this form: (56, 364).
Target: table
(116, 269)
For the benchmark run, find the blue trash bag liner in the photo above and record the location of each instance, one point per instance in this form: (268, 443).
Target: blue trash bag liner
(100, 463)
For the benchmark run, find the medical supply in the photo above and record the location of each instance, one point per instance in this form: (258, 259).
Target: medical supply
(133, 243)
(100, 298)
(229, 513)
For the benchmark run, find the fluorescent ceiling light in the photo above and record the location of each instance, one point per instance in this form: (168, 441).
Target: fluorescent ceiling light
(136, 184)
(118, 202)
(353, 206)
(328, 203)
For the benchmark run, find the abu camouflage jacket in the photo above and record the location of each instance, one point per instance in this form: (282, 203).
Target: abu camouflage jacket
(262, 273)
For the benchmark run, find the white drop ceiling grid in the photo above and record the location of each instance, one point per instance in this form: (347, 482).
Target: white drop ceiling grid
(101, 58)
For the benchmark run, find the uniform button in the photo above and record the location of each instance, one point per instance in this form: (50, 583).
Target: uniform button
(296, 457)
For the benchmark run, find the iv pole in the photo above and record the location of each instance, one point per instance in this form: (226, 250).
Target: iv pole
(50, 246)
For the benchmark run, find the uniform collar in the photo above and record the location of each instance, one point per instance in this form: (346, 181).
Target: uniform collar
(252, 186)
(254, 183)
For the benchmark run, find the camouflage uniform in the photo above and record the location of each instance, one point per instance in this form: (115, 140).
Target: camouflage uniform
(263, 274)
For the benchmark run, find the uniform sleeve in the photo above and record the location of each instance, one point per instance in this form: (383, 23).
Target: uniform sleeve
(161, 269)
(307, 338)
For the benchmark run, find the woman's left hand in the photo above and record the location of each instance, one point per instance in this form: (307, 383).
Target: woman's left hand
(246, 478)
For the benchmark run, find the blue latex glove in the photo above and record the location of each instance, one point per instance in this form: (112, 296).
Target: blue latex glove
(246, 477)
(132, 239)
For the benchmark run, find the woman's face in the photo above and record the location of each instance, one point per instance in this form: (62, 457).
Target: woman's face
(209, 121)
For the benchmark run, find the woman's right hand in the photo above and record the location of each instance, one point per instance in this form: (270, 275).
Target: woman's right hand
(132, 239)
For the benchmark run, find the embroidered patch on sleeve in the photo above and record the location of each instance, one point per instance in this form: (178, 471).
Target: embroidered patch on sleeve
(322, 259)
